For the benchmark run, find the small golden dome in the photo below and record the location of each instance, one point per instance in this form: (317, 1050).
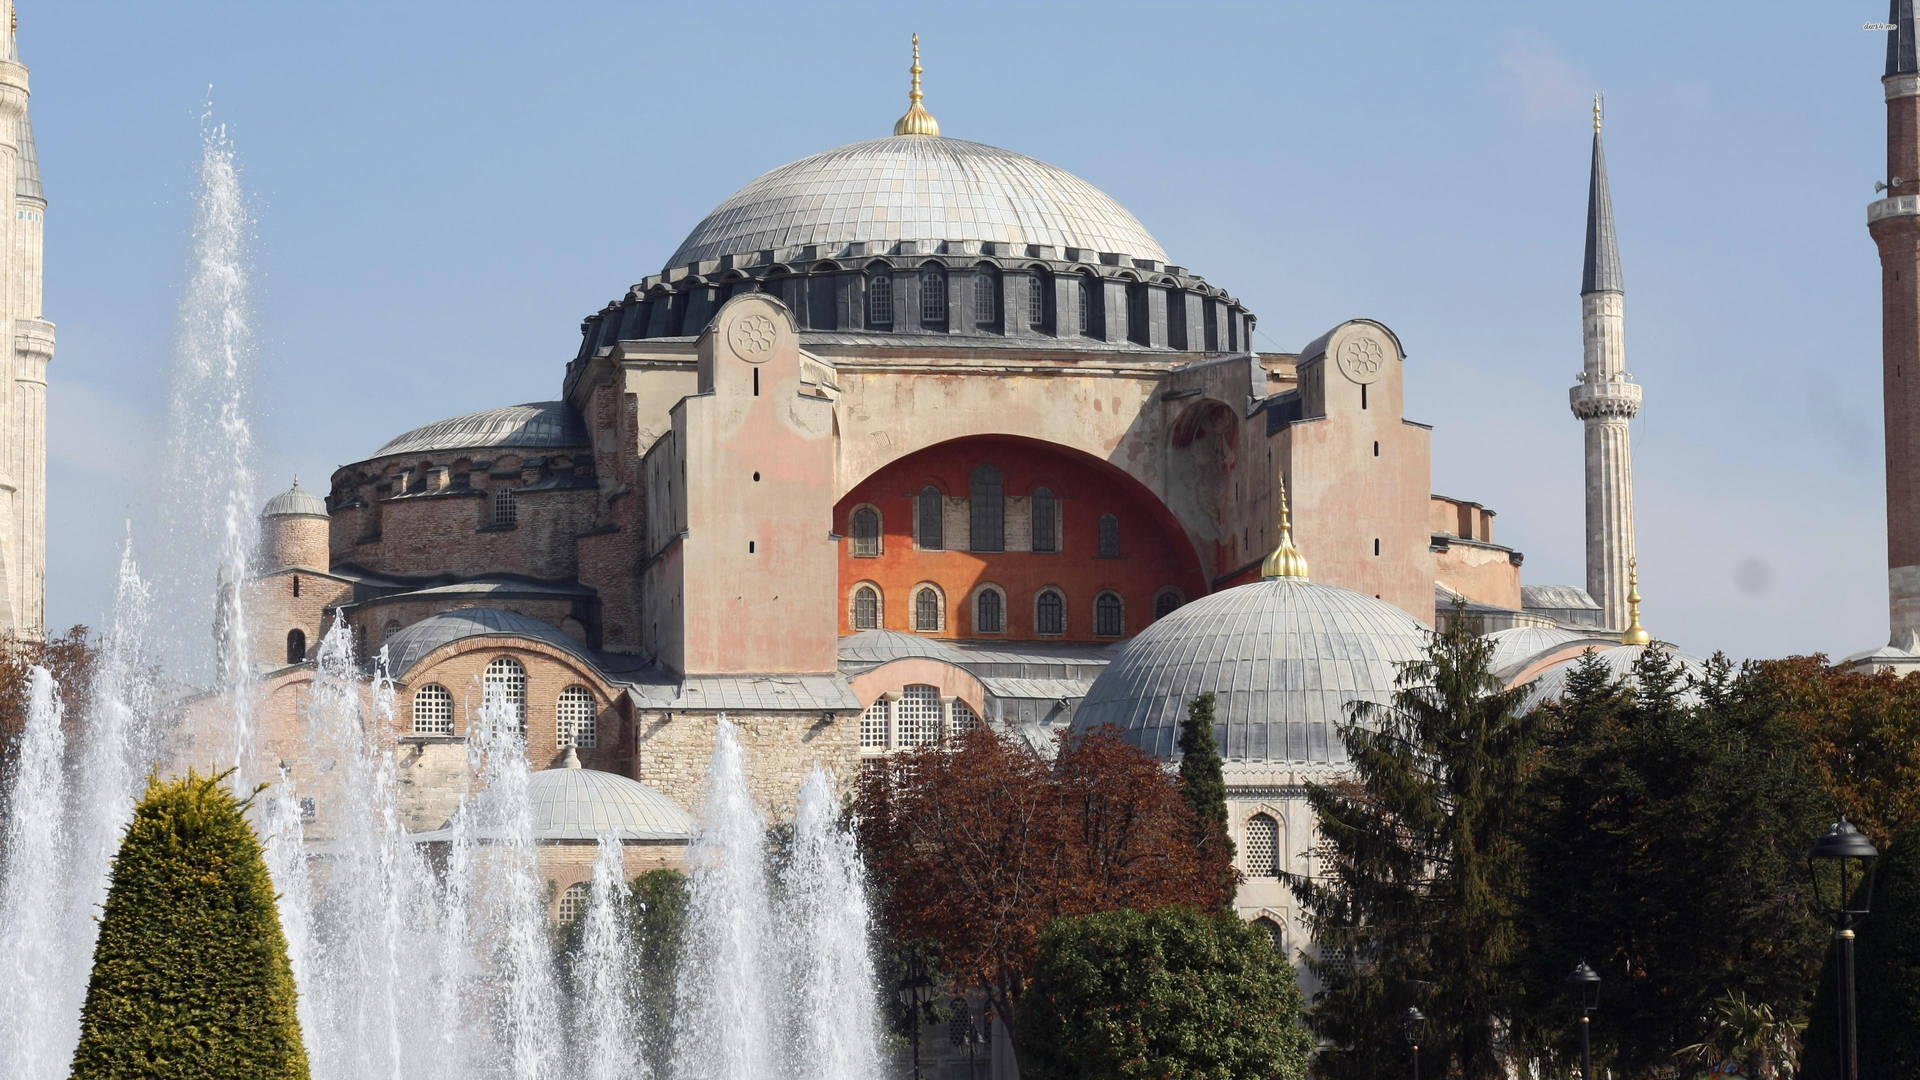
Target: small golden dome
(918, 120)
(1636, 634)
(1286, 560)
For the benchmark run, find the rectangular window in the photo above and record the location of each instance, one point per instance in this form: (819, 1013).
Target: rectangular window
(1036, 301)
(506, 512)
(1109, 536)
(1045, 537)
(933, 297)
(983, 299)
(880, 300)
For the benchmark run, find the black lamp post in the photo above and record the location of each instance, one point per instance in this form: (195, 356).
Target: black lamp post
(1413, 1024)
(914, 991)
(1843, 893)
(1586, 990)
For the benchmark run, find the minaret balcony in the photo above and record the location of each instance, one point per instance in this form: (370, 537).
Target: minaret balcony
(1893, 206)
(1601, 400)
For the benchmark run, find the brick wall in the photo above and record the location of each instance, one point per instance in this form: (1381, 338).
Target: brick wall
(782, 749)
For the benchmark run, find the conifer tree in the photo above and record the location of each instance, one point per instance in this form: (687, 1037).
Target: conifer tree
(190, 976)
(1205, 789)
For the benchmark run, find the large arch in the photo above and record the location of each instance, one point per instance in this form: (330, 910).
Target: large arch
(1155, 551)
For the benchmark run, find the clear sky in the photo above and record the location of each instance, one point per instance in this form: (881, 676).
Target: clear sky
(444, 189)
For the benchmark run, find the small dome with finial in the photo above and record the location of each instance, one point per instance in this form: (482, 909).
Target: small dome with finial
(917, 121)
(295, 502)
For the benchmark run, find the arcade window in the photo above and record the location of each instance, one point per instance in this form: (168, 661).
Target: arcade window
(1109, 615)
(866, 532)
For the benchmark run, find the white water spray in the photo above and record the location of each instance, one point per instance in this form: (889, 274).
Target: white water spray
(44, 1014)
(606, 1041)
(824, 920)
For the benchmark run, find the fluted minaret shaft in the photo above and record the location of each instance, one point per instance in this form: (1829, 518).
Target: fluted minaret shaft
(1894, 223)
(1606, 400)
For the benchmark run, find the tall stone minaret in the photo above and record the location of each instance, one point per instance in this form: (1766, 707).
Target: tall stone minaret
(1894, 223)
(1606, 400)
(29, 348)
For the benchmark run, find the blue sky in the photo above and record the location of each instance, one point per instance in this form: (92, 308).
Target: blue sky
(443, 190)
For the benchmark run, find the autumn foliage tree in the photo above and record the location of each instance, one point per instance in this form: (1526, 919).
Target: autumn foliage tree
(69, 656)
(978, 845)
(1862, 734)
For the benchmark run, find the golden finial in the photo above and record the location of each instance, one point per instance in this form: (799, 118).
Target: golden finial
(918, 120)
(1636, 634)
(1598, 98)
(1286, 560)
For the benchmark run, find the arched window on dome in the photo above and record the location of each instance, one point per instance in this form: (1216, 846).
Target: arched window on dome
(576, 721)
(986, 496)
(866, 608)
(1109, 615)
(986, 302)
(879, 299)
(933, 297)
(1046, 536)
(1166, 602)
(391, 628)
(866, 533)
(932, 523)
(989, 611)
(296, 646)
(926, 610)
(505, 681)
(432, 710)
(573, 902)
(1050, 612)
(1037, 282)
(1086, 306)
(1263, 846)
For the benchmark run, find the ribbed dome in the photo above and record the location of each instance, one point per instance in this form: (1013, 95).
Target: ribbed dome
(880, 646)
(1283, 658)
(535, 425)
(415, 642)
(295, 502)
(916, 187)
(1619, 662)
(571, 803)
(1516, 645)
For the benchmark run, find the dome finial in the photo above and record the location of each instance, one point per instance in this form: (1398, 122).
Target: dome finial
(918, 120)
(1636, 634)
(1286, 560)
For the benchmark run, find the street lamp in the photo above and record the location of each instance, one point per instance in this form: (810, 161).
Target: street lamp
(1413, 1024)
(1586, 989)
(1848, 856)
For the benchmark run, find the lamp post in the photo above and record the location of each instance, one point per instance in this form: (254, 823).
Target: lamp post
(1848, 856)
(1413, 1024)
(1586, 989)
(913, 991)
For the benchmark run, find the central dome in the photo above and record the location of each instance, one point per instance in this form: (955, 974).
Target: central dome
(918, 188)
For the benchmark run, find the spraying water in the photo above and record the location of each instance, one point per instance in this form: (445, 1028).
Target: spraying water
(824, 913)
(44, 1014)
(605, 1039)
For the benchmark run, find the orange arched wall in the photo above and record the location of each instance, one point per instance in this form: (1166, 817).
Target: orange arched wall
(1154, 552)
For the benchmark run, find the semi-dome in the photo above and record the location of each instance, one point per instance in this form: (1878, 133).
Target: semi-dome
(535, 425)
(1619, 662)
(881, 646)
(1283, 657)
(920, 188)
(413, 643)
(572, 803)
(295, 502)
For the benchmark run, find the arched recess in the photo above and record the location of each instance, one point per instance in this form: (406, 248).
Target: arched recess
(1201, 453)
(951, 681)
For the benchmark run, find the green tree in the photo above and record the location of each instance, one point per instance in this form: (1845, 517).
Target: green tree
(1413, 902)
(1205, 789)
(659, 917)
(190, 976)
(1886, 976)
(1175, 994)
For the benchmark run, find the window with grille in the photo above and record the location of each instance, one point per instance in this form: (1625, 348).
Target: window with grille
(507, 679)
(933, 526)
(1109, 536)
(866, 608)
(1263, 846)
(933, 297)
(573, 902)
(432, 710)
(873, 726)
(984, 307)
(1166, 603)
(866, 532)
(1050, 613)
(1036, 300)
(387, 631)
(926, 610)
(1109, 615)
(1045, 536)
(986, 497)
(1086, 306)
(880, 299)
(506, 512)
(1276, 934)
(990, 612)
(576, 718)
(916, 716)
(964, 719)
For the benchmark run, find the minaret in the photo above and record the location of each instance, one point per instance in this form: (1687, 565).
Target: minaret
(1894, 223)
(1606, 400)
(26, 419)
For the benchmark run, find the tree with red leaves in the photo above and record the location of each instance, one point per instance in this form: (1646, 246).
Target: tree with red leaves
(977, 845)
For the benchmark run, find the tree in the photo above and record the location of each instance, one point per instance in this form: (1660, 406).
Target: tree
(975, 847)
(1862, 733)
(1887, 976)
(190, 975)
(1173, 994)
(1205, 789)
(1414, 902)
(70, 657)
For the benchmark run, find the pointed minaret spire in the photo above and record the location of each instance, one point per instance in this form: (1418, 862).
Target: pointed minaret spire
(1603, 250)
(1903, 50)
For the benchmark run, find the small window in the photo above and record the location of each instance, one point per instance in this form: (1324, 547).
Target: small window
(296, 586)
(987, 510)
(1045, 535)
(866, 532)
(933, 527)
(926, 610)
(296, 646)
(1276, 935)
(916, 716)
(1109, 536)
(964, 721)
(506, 512)
(309, 811)
(1109, 615)
(1086, 306)
(1166, 603)
(391, 628)
(984, 306)
(1036, 300)
(866, 608)
(1263, 846)
(1050, 613)
(990, 612)
(573, 902)
(576, 722)
(933, 297)
(507, 680)
(879, 300)
(432, 710)
(873, 726)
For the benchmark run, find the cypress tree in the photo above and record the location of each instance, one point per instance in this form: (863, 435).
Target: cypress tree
(190, 976)
(1205, 789)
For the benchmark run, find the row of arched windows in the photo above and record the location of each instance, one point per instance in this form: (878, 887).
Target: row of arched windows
(576, 717)
(928, 608)
(881, 314)
(986, 520)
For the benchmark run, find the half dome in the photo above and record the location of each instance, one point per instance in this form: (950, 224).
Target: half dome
(1283, 657)
(1619, 661)
(535, 425)
(572, 803)
(918, 188)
